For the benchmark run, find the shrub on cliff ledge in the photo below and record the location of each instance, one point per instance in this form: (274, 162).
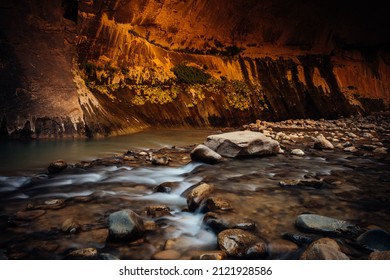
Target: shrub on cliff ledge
(190, 74)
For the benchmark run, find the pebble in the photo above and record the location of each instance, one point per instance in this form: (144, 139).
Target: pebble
(83, 254)
(297, 152)
(351, 149)
(160, 160)
(57, 166)
(322, 143)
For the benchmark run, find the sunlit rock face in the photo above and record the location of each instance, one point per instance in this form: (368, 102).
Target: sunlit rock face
(87, 68)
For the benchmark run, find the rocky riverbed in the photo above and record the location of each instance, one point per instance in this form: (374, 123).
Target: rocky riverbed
(322, 194)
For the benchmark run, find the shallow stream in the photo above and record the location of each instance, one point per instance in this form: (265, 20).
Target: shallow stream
(355, 189)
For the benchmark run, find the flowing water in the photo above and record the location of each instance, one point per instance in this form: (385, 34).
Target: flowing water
(356, 190)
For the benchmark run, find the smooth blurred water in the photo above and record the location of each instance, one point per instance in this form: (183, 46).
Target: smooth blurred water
(21, 157)
(356, 189)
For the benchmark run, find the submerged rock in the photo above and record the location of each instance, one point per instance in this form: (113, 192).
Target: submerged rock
(166, 187)
(150, 225)
(242, 244)
(217, 203)
(29, 215)
(205, 154)
(57, 166)
(184, 243)
(125, 225)
(375, 240)
(317, 223)
(242, 144)
(70, 226)
(324, 249)
(156, 211)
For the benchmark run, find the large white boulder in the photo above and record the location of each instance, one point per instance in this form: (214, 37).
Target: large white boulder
(242, 144)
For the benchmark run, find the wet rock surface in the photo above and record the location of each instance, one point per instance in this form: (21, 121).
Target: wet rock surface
(57, 166)
(375, 240)
(125, 225)
(346, 192)
(326, 225)
(198, 195)
(241, 244)
(205, 154)
(83, 254)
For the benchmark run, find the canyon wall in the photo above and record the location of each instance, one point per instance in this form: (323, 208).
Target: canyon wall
(88, 68)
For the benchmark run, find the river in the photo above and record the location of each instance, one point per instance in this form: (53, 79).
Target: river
(20, 157)
(34, 206)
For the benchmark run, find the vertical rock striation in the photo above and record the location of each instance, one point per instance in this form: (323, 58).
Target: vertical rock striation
(85, 68)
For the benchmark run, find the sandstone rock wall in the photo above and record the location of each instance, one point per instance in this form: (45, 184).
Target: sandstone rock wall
(86, 68)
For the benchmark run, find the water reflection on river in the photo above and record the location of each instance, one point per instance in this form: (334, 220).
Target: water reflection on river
(19, 157)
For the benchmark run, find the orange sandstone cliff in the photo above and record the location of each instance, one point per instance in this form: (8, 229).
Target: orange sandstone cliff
(87, 68)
